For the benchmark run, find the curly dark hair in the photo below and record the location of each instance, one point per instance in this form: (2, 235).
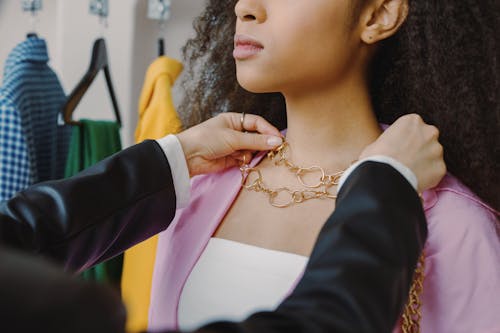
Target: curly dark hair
(442, 65)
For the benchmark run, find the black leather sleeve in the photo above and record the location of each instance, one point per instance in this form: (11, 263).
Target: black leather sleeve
(96, 214)
(359, 274)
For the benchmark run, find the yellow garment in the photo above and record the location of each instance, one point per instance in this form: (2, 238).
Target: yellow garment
(157, 118)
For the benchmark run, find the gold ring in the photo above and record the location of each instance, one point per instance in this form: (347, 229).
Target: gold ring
(242, 121)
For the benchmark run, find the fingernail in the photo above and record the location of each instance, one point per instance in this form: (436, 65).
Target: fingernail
(274, 141)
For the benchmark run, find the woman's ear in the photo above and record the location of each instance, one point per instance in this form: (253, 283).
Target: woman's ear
(382, 19)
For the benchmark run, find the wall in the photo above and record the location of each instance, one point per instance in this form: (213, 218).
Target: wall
(14, 24)
(131, 39)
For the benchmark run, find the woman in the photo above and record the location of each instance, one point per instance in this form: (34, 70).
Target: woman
(340, 68)
(138, 186)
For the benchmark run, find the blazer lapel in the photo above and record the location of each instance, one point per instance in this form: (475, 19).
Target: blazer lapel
(181, 245)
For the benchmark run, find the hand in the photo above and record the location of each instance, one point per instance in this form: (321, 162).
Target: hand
(220, 142)
(415, 144)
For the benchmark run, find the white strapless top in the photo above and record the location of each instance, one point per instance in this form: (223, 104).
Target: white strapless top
(232, 280)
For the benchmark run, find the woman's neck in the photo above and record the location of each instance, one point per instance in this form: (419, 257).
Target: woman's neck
(330, 127)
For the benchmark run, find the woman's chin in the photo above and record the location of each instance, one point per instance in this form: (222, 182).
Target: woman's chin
(256, 86)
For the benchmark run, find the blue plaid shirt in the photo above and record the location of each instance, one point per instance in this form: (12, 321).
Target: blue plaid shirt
(14, 163)
(33, 147)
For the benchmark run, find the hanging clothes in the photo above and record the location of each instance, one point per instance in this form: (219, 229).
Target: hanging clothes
(31, 98)
(157, 115)
(14, 162)
(157, 118)
(91, 142)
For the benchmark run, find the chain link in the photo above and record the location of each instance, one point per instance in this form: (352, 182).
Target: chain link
(412, 312)
(312, 191)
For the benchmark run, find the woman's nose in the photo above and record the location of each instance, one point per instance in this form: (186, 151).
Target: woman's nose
(250, 10)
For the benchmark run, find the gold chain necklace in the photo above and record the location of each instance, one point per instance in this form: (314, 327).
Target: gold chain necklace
(411, 316)
(319, 190)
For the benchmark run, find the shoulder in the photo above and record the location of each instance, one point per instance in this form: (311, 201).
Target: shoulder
(455, 215)
(451, 197)
(462, 274)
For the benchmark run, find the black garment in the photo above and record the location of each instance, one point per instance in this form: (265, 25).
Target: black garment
(356, 280)
(96, 214)
(37, 296)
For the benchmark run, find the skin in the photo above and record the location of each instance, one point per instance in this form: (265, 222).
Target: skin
(317, 58)
(332, 144)
(221, 142)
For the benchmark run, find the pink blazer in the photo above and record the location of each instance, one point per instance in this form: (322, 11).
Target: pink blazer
(462, 267)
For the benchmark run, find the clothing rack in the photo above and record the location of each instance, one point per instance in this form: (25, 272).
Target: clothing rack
(159, 10)
(32, 6)
(99, 7)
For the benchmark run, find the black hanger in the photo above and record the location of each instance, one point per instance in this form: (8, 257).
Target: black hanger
(31, 35)
(161, 47)
(98, 61)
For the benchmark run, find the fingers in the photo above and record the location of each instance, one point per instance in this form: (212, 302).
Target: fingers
(254, 141)
(237, 159)
(252, 123)
(411, 118)
(251, 132)
(242, 156)
(434, 132)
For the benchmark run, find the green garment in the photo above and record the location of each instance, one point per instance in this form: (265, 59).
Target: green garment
(91, 142)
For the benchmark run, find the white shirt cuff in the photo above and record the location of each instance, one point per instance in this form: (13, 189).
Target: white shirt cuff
(400, 167)
(178, 166)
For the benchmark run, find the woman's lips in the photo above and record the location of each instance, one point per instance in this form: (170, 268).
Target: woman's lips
(246, 47)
